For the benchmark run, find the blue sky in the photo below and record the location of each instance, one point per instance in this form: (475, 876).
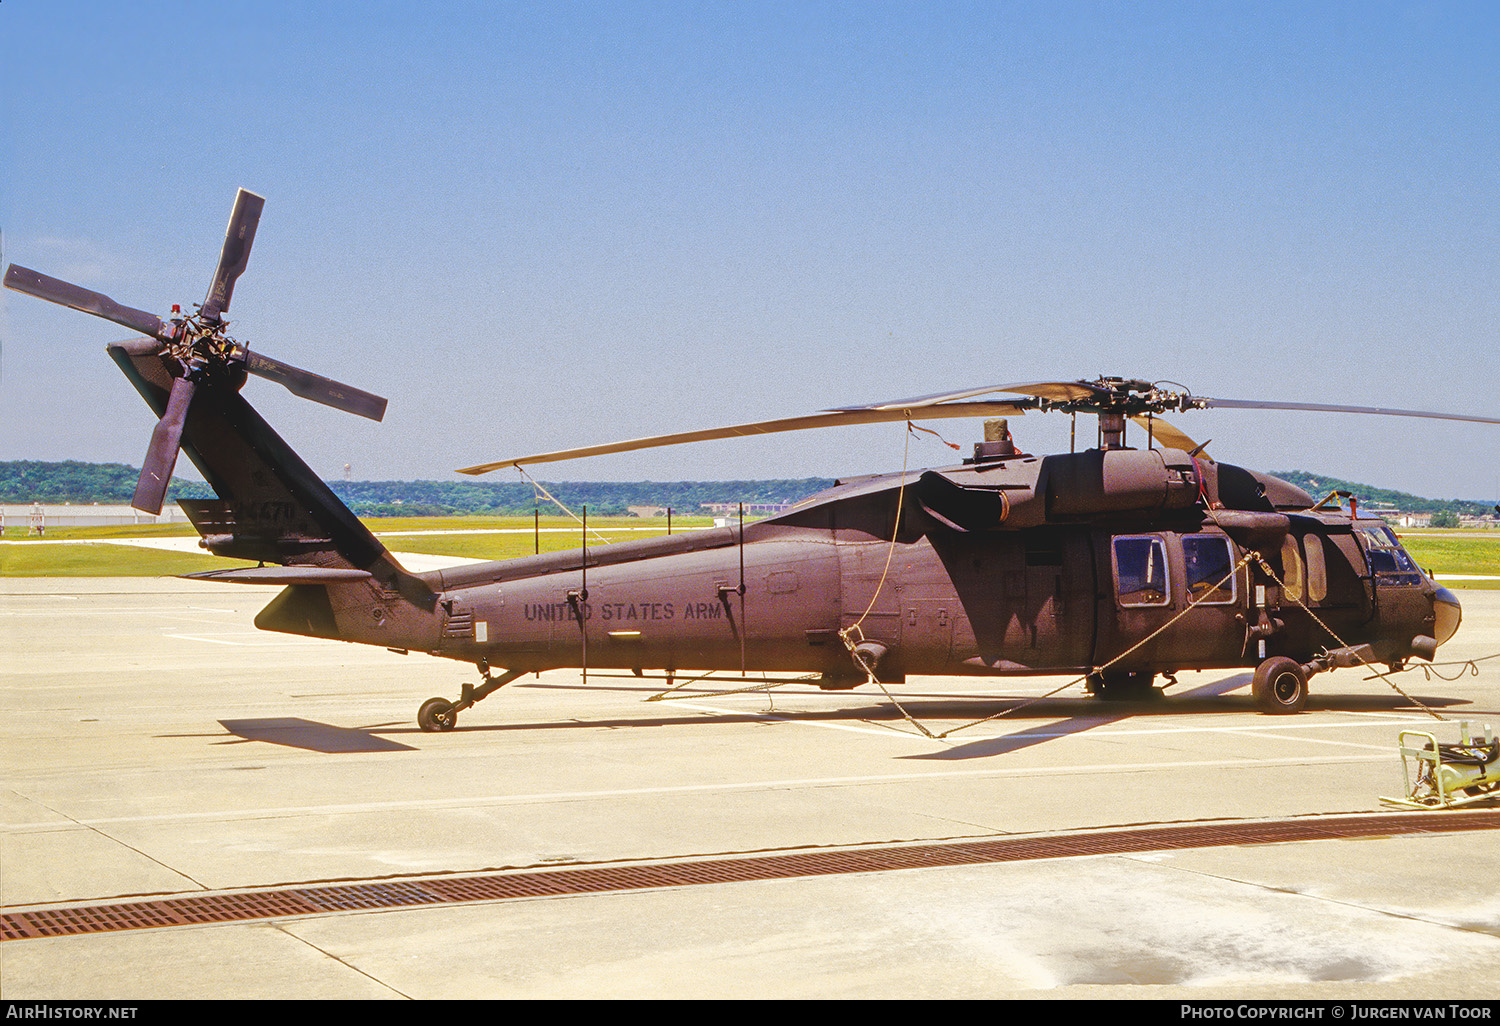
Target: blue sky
(536, 226)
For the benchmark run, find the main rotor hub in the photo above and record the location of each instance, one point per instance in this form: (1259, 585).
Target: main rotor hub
(1126, 397)
(1114, 401)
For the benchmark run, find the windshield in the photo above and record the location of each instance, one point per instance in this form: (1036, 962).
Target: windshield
(1384, 551)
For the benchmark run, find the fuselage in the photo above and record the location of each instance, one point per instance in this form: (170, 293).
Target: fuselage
(1191, 588)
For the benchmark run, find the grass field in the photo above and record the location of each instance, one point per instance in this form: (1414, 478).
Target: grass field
(1456, 552)
(462, 538)
(117, 531)
(380, 525)
(414, 534)
(46, 559)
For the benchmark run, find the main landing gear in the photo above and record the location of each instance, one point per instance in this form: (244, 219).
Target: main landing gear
(439, 714)
(1279, 686)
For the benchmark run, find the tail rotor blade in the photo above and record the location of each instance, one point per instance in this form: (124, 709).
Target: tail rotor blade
(315, 387)
(161, 456)
(54, 290)
(235, 255)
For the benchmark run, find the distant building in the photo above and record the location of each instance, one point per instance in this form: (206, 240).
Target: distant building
(49, 515)
(646, 511)
(1395, 517)
(757, 508)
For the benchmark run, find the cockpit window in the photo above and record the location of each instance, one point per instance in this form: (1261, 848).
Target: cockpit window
(1141, 571)
(1206, 563)
(1384, 551)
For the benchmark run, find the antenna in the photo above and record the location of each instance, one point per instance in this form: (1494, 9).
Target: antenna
(741, 589)
(579, 599)
(583, 597)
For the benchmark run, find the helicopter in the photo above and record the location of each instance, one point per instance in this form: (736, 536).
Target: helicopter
(1113, 563)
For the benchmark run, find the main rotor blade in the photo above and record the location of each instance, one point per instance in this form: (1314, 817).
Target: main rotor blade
(1256, 404)
(314, 386)
(54, 290)
(828, 418)
(1169, 436)
(1059, 391)
(235, 255)
(161, 455)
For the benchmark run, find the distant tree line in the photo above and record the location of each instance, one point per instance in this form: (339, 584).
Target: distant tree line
(1319, 485)
(606, 498)
(27, 481)
(81, 483)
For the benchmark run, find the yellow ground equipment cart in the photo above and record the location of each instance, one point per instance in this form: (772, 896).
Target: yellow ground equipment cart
(1444, 776)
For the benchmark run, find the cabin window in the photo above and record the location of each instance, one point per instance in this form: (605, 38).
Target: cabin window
(1317, 568)
(1292, 576)
(1141, 571)
(1207, 563)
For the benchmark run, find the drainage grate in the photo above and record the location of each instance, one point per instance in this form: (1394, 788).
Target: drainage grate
(305, 901)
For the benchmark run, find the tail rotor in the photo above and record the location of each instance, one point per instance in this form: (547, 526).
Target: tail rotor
(198, 350)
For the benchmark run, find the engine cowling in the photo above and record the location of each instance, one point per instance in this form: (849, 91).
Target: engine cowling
(1086, 484)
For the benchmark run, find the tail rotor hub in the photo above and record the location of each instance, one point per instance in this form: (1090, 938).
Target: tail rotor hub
(198, 349)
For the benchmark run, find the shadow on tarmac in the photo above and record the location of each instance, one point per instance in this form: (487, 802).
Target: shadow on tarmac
(1048, 719)
(1068, 715)
(309, 735)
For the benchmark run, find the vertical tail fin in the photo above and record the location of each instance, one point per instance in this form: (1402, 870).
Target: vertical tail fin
(271, 507)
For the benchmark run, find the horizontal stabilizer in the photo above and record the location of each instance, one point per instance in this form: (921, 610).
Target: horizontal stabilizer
(282, 575)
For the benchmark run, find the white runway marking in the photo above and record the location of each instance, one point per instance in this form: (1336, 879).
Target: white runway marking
(211, 641)
(552, 797)
(255, 641)
(1103, 727)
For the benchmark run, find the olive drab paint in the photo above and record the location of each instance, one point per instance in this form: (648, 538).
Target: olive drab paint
(1122, 563)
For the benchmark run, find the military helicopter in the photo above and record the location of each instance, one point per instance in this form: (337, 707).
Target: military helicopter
(1113, 563)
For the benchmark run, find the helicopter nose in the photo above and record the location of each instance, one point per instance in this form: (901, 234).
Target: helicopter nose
(1448, 614)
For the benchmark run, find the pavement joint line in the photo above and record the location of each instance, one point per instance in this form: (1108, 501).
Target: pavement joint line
(300, 901)
(1330, 900)
(282, 928)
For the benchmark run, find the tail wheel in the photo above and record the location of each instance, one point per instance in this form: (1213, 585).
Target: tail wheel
(437, 714)
(1279, 686)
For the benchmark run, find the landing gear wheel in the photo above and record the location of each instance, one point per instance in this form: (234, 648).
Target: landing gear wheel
(437, 714)
(1279, 686)
(1122, 686)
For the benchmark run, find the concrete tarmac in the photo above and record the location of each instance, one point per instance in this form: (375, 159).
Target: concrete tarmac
(155, 744)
